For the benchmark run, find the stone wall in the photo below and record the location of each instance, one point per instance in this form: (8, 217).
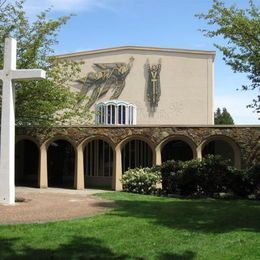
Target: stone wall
(245, 140)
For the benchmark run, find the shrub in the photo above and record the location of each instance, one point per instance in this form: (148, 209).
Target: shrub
(245, 182)
(238, 182)
(141, 180)
(210, 176)
(207, 176)
(169, 171)
(188, 178)
(213, 174)
(253, 176)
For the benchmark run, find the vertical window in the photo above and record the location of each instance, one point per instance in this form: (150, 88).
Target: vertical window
(98, 156)
(136, 153)
(115, 112)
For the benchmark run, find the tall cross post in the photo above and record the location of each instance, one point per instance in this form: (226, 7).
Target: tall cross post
(8, 76)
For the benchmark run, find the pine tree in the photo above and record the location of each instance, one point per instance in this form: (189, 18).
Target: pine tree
(223, 118)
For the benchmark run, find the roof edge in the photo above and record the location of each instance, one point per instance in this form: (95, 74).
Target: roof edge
(149, 126)
(138, 48)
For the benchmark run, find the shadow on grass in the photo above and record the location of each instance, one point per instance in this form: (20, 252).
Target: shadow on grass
(77, 248)
(202, 215)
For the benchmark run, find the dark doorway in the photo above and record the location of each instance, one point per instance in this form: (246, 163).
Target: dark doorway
(136, 153)
(61, 164)
(177, 150)
(26, 163)
(98, 164)
(219, 147)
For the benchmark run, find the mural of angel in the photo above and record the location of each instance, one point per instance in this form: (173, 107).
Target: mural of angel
(106, 76)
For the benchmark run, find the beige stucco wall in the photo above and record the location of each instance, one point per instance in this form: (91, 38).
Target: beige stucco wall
(186, 83)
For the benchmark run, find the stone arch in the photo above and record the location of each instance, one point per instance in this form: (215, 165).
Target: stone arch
(27, 155)
(137, 151)
(222, 145)
(178, 147)
(61, 162)
(99, 156)
(96, 137)
(60, 137)
(139, 137)
(27, 137)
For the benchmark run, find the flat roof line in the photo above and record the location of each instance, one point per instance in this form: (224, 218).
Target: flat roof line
(145, 126)
(138, 48)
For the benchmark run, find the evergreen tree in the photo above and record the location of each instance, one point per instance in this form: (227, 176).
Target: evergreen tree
(223, 118)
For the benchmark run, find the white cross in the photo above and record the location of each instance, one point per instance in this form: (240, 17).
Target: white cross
(8, 75)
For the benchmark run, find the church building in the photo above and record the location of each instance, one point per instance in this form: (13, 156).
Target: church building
(151, 105)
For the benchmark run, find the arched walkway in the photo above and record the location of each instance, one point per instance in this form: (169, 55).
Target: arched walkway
(177, 150)
(136, 153)
(98, 164)
(26, 163)
(61, 164)
(218, 146)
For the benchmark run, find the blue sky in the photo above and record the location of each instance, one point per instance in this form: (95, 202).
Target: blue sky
(161, 23)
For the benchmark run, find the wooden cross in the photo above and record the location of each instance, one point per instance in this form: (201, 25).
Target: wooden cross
(9, 75)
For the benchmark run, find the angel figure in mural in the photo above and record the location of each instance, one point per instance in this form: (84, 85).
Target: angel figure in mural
(106, 76)
(153, 86)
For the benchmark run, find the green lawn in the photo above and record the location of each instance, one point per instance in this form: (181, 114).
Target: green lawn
(144, 227)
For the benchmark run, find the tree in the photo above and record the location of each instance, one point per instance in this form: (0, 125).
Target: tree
(241, 29)
(49, 101)
(223, 118)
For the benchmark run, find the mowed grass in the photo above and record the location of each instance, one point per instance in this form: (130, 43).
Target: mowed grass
(144, 227)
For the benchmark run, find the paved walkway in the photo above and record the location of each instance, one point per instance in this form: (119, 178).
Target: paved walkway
(45, 205)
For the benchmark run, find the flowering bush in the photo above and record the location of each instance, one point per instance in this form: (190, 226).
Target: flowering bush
(210, 176)
(141, 180)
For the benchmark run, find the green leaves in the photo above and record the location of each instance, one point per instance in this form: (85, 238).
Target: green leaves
(223, 117)
(141, 180)
(50, 101)
(241, 29)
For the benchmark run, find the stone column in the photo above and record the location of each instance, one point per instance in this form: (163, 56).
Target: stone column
(237, 162)
(198, 152)
(79, 182)
(43, 169)
(117, 169)
(158, 155)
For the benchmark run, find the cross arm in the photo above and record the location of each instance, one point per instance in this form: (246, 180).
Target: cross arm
(28, 74)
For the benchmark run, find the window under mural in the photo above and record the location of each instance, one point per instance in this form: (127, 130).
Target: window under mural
(115, 112)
